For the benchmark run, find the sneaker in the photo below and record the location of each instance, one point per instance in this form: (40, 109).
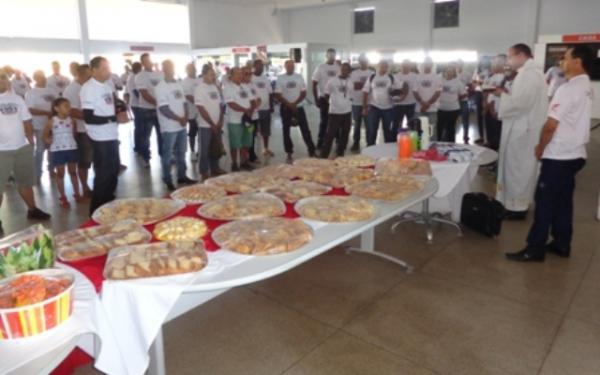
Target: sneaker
(37, 214)
(170, 186)
(186, 180)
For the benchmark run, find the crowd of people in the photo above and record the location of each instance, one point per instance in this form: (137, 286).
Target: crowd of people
(75, 121)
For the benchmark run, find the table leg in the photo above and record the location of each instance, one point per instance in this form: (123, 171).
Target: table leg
(426, 218)
(367, 246)
(157, 356)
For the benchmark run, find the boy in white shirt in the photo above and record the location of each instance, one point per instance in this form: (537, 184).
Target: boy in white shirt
(338, 91)
(56, 81)
(239, 103)
(467, 80)
(16, 148)
(145, 82)
(322, 74)
(290, 91)
(189, 84)
(493, 126)
(132, 98)
(359, 77)
(377, 104)
(263, 88)
(172, 111)
(405, 108)
(428, 91)
(453, 91)
(251, 121)
(39, 101)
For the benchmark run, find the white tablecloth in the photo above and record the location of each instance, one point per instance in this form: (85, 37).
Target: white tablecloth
(454, 178)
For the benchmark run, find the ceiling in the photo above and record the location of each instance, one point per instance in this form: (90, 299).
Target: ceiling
(283, 4)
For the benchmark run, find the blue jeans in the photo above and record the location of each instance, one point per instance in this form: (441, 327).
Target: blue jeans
(207, 163)
(357, 115)
(373, 117)
(464, 114)
(106, 172)
(173, 142)
(148, 120)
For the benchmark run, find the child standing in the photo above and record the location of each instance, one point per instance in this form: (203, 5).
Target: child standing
(59, 134)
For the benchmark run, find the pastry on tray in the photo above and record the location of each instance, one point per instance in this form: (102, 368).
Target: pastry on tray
(265, 236)
(243, 206)
(293, 191)
(336, 176)
(95, 241)
(143, 210)
(355, 161)
(387, 189)
(180, 228)
(279, 171)
(198, 194)
(155, 259)
(335, 209)
(314, 162)
(244, 182)
(396, 167)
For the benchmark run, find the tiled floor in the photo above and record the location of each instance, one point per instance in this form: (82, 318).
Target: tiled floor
(465, 310)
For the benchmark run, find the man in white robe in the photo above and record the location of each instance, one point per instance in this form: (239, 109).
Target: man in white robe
(523, 113)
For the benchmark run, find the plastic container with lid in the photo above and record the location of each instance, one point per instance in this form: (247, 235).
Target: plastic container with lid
(27, 250)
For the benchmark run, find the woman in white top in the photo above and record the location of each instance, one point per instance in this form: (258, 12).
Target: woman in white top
(59, 135)
(453, 91)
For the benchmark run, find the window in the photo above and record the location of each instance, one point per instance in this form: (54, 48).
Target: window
(364, 20)
(40, 19)
(446, 13)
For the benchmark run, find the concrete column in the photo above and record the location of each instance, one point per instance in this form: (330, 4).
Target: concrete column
(84, 35)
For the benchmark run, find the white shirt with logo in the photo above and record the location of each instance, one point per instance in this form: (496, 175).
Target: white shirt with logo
(427, 85)
(146, 80)
(189, 85)
(239, 94)
(58, 83)
(62, 135)
(379, 88)
(323, 73)
(411, 80)
(290, 86)
(571, 106)
(99, 97)
(71, 93)
(263, 88)
(339, 90)
(449, 98)
(40, 98)
(209, 97)
(170, 94)
(13, 112)
(358, 78)
(20, 86)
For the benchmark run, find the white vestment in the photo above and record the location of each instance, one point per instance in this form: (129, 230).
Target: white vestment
(523, 113)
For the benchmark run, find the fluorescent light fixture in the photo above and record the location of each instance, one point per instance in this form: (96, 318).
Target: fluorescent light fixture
(443, 1)
(453, 55)
(364, 9)
(374, 57)
(413, 56)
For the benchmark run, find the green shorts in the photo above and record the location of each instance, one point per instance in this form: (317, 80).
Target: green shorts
(240, 136)
(18, 163)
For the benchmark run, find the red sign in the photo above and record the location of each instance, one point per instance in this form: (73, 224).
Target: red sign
(581, 38)
(141, 48)
(241, 50)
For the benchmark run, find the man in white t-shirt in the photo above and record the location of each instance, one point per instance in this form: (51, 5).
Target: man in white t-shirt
(358, 77)
(239, 103)
(16, 148)
(453, 92)
(377, 103)
(290, 92)
(100, 117)
(189, 84)
(264, 90)
(132, 98)
(56, 81)
(555, 78)
(39, 101)
(427, 91)
(339, 92)
(20, 83)
(322, 74)
(493, 126)
(562, 151)
(145, 82)
(250, 121)
(208, 101)
(172, 110)
(467, 79)
(405, 108)
(84, 144)
(125, 76)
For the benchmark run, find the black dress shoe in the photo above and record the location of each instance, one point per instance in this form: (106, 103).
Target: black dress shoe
(515, 215)
(526, 255)
(170, 186)
(552, 248)
(186, 180)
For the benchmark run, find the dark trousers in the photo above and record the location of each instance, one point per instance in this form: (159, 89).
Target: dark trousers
(338, 128)
(464, 115)
(446, 125)
(478, 97)
(359, 119)
(400, 112)
(386, 117)
(554, 204)
(493, 128)
(324, 114)
(149, 120)
(193, 134)
(106, 170)
(137, 128)
(286, 118)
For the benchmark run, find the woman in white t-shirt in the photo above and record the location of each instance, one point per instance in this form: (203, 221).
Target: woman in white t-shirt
(59, 135)
(453, 91)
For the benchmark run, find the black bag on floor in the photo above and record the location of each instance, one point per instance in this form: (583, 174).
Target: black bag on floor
(482, 213)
